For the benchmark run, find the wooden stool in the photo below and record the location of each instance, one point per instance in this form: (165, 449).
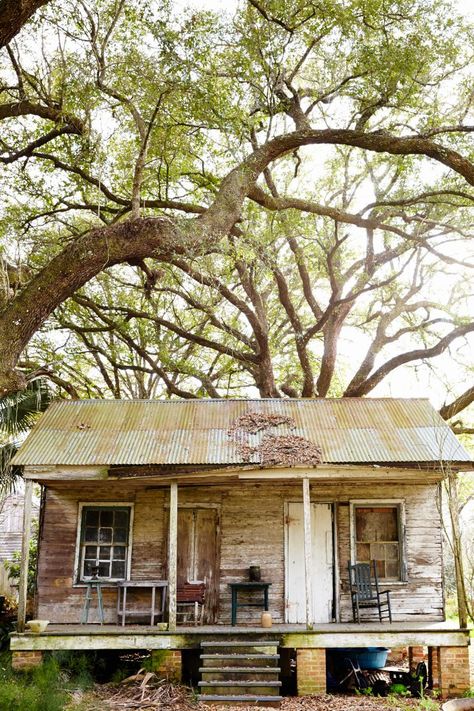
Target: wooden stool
(97, 586)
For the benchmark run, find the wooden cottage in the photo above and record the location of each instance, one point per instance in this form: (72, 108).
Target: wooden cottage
(157, 498)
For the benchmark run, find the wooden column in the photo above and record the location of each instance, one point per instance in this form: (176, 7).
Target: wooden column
(173, 556)
(308, 563)
(335, 558)
(25, 555)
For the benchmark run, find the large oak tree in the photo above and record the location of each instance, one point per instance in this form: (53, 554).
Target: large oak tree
(271, 177)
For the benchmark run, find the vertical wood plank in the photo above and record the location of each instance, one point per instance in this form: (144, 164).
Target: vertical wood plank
(173, 556)
(25, 555)
(336, 573)
(307, 553)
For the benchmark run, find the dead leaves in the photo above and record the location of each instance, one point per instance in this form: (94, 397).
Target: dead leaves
(272, 450)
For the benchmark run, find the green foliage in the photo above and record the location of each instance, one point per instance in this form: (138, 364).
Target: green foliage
(13, 566)
(18, 413)
(39, 690)
(207, 88)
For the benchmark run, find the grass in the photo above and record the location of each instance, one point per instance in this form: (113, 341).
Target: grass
(47, 687)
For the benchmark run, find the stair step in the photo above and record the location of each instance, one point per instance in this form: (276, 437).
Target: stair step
(244, 699)
(218, 690)
(240, 656)
(241, 649)
(233, 643)
(240, 670)
(239, 683)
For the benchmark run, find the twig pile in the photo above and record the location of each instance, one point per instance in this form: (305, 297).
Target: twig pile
(253, 422)
(145, 691)
(273, 450)
(288, 449)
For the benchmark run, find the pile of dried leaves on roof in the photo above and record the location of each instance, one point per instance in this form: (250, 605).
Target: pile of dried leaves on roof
(253, 422)
(273, 450)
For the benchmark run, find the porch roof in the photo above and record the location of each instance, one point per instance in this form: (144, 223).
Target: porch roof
(170, 432)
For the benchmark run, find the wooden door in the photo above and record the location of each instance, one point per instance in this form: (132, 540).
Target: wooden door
(198, 553)
(322, 563)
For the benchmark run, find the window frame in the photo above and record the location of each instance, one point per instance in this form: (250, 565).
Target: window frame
(400, 505)
(78, 578)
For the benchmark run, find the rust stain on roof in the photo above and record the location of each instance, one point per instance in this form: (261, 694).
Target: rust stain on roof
(140, 432)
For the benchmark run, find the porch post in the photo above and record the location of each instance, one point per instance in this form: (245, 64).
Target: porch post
(25, 555)
(172, 556)
(307, 553)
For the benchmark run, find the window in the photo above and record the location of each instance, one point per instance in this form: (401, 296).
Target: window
(104, 542)
(377, 530)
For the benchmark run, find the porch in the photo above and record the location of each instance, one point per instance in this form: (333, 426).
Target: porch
(441, 645)
(413, 633)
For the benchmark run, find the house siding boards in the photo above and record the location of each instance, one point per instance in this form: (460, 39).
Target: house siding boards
(251, 532)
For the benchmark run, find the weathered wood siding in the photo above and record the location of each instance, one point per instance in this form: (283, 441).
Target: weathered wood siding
(252, 532)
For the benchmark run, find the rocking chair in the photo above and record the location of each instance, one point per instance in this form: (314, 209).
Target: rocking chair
(365, 593)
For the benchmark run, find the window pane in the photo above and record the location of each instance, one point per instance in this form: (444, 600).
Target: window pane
(105, 535)
(119, 552)
(92, 517)
(380, 568)
(120, 535)
(118, 569)
(106, 517)
(377, 551)
(88, 567)
(392, 569)
(363, 552)
(121, 519)
(104, 540)
(104, 570)
(91, 534)
(392, 551)
(377, 538)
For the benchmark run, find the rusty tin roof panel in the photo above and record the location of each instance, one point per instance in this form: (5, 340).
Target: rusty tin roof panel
(121, 432)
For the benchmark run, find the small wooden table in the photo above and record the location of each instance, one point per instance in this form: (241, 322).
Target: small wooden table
(236, 587)
(152, 585)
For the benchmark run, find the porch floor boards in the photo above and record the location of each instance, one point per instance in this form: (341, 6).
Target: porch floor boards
(397, 627)
(323, 636)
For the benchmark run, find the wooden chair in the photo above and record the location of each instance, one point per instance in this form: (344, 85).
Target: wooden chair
(193, 594)
(365, 593)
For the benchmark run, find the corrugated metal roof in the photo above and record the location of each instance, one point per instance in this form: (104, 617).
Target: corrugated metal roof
(121, 432)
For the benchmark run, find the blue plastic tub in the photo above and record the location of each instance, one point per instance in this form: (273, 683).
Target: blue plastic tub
(365, 657)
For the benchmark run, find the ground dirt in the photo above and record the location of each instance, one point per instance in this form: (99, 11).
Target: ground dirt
(126, 697)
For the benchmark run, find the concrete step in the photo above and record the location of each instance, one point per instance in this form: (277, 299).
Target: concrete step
(226, 688)
(240, 673)
(239, 660)
(240, 699)
(239, 648)
(240, 643)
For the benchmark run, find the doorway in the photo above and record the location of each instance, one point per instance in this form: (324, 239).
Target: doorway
(199, 554)
(322, 563)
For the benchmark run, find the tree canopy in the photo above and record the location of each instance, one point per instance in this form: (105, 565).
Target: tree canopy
(212, 202)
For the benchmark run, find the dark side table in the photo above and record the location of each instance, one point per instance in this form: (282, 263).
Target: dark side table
(248, 587)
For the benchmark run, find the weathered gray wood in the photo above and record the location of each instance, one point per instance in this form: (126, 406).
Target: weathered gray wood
(337, 577)
(25, 556)
(323, 636)
(173, 556)
(307, 553)
(260, 541)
